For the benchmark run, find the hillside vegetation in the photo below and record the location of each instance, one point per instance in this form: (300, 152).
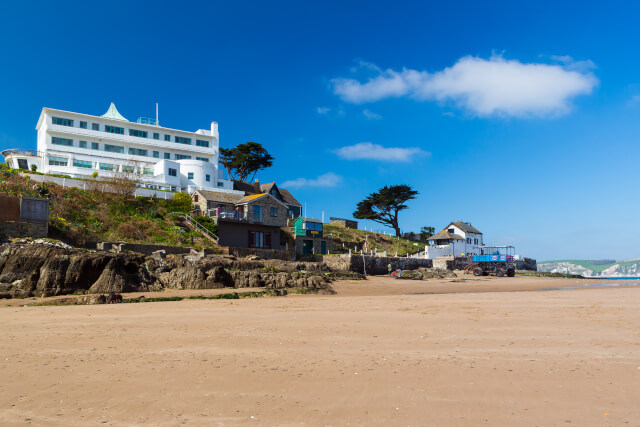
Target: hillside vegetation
(78, 215)
(369, 241)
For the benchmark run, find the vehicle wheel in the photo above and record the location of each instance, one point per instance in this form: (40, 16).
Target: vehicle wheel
(478, 271)
(511, 272)
(500, 272)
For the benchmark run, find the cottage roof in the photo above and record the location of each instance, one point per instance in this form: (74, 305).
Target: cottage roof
(219, 196)
(253, 197)
(466, 227)
(247, 187)
(444, 235)
(250, 188)
(288, 198)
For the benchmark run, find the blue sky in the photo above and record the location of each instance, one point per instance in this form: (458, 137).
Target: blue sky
(523, 119)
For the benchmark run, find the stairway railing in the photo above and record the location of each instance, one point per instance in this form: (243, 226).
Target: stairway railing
(197, 226)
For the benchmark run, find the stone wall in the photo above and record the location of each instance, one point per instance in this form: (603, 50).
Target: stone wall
(317, 244)
(137, 247)
(267, 203)
(374, 264)
(263, 253)
(23, 229)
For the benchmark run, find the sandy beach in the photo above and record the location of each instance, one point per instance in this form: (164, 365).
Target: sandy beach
(380, 352)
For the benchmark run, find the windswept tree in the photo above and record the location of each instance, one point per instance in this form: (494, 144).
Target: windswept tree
(244, 161)
(384, 205)
(426, 232)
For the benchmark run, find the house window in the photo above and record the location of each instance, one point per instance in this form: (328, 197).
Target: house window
(208, 178)
(469, 241)
(259, 239)
(95, 146)
(156, 154)
(113, 148)
(167, 156)
(62, 141)
(95, 126)
(195, 198)
(82, 144)
(138, 133)
(173, 172)
(82, 163)
(451, 231)
(61, 121)
(274, 212)
(183, 140)
(201, 143)
(83, 125)
(114, 129)
(137, 152)
(190, 175)
(475, 241)
(167, 137)
(257, 213)
(156, 135)
(58, 161)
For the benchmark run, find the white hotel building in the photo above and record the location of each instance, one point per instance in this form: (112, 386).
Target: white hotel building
(77, 145)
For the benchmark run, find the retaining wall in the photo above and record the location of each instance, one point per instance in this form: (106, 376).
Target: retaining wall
(374, 264)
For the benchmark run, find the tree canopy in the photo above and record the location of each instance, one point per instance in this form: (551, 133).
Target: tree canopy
(426, 232)
(243, 161)
(384, 205)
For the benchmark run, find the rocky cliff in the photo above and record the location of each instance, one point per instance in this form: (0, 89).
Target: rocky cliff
(47, 268)
(592, 268)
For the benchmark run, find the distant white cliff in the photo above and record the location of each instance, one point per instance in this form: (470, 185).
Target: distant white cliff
(588, 268)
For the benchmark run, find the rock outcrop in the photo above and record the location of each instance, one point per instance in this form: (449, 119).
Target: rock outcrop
(45, 268)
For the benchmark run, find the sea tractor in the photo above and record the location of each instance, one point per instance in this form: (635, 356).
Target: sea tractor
(494, 259)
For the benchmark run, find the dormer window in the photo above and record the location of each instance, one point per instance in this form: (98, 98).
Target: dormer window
(451, 231)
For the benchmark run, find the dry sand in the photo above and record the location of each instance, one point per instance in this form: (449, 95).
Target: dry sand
(381, 352)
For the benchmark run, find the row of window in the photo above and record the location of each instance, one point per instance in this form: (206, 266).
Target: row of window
(475, 241)
(120, 149)
(87, 164)
(132, 132)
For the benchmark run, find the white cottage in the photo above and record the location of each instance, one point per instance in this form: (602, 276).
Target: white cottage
(457, 238)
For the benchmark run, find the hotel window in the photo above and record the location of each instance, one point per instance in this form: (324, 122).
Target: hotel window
(137, 152)
(62, 122)
(221, 184)
(156, 135)
(114, 129)
(167, 156)
(95, 146)
(201, 143)
(138, 133)
(62, 141)
(167, 138)
(106, 167)
(173, 172)
(82, 144)
(156, 154)
(95, 126)
(274, 212)
(83, 125)
(208, 178)
(82, 163)
(147, 171)
(183, 140)
(113, 148)
(182, 156)
(58, 161)
(204, 159)
(128, 169)
(190, 175)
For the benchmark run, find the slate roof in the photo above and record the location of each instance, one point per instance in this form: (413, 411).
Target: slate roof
(288, 198)
(444, 235)
(219, 196)
(311, 220)
(466, 227)
(249, 188)
(250, 198)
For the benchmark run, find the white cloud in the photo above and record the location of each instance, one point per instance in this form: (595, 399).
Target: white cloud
(371, 115)
(369, 151)
(484, 87)
(323, 110)
(329, 179)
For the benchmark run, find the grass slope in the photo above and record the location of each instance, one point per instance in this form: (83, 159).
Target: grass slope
(77, 215)
(357, 238)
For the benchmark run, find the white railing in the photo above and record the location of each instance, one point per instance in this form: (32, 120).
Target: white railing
(197, 226)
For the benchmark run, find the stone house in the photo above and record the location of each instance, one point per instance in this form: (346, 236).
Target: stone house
(294, 208)
(346, 223)
(252, 221)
